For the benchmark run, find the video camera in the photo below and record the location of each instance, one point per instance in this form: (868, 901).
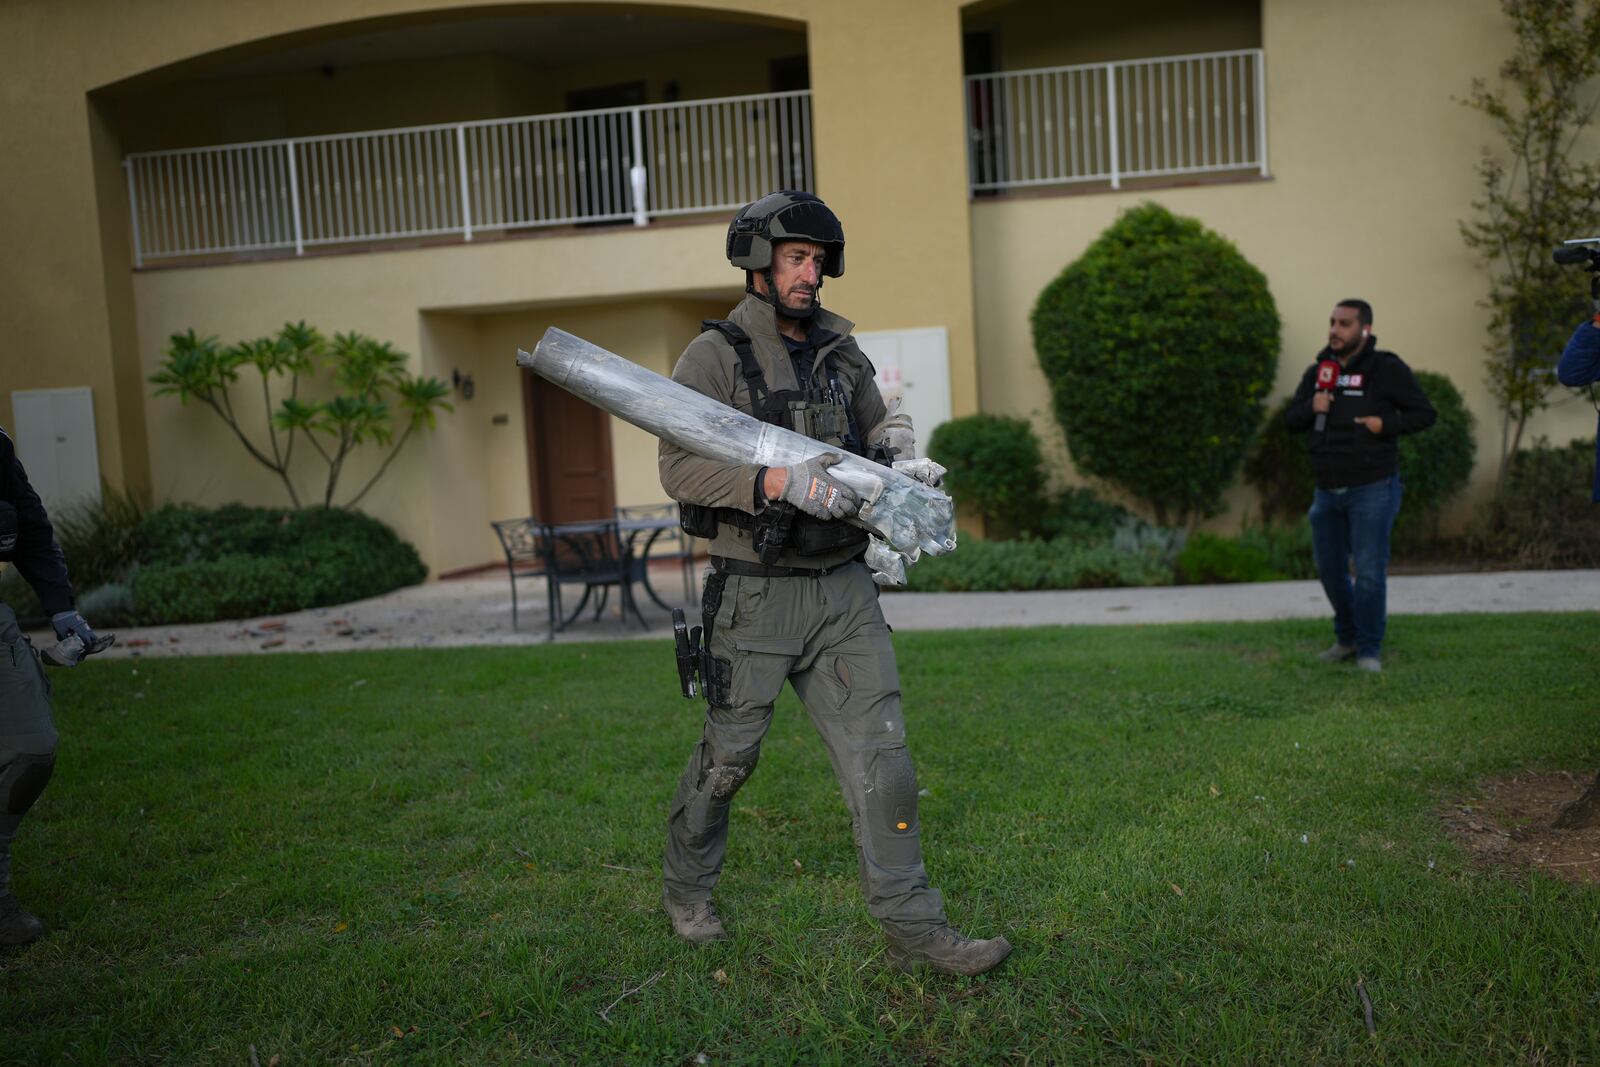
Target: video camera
(1580, 250)
(1584, 251)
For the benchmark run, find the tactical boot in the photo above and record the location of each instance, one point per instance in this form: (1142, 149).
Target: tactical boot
(696, 921)
(17, 927)
(946, 950)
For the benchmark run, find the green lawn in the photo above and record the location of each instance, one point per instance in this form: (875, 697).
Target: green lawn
(1197, 838)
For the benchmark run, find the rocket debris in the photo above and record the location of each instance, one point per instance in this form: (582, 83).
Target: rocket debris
(909, 518)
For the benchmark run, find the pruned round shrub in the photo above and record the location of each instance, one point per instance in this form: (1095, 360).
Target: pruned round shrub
(1285, 546)
(1005, 566)
(200, 565)
(995, 468)
(233, 587)
(1079, 514)
(1159, 344)
(1209, 559)
(1278, 468)
(1436, 464)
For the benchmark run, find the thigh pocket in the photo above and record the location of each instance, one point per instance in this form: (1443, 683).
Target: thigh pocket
(25, 722)
(760, 667)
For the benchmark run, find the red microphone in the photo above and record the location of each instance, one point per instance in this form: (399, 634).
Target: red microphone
(1327, 378)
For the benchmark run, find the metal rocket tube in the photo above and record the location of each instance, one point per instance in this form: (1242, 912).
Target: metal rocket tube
(911, 517)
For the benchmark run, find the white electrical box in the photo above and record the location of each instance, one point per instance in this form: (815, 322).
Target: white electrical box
(915, 366)
(55, 441)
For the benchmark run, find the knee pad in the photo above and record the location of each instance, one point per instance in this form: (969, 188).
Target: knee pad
(704, 809)
(723, 778)
(890, 799)
(22, 780)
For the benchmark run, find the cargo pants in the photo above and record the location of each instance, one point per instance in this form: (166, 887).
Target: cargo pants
(27, 734)
(827, 636)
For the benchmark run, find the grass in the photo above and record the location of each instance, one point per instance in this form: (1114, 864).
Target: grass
(1198, 839)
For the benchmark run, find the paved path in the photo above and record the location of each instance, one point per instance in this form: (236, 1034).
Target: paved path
(477, 611)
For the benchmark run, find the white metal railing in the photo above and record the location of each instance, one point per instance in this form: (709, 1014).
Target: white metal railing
(1141, 118)
(611, 165)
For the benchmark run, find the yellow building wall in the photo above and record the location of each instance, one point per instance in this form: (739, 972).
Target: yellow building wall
(1370, 178)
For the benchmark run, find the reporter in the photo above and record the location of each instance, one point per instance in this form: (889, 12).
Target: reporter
(1580, 365)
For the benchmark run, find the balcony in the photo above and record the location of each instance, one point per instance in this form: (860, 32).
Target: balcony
(613, 165)
(1109, 122)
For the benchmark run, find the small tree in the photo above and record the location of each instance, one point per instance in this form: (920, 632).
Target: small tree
(368, 372)
(1159, 344)
(1536, 191)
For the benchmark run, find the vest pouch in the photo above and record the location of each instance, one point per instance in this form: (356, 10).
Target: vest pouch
(8, 529)
(814, 537)
(699, 521)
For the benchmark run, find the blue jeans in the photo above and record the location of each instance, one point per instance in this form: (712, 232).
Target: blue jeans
(1353, 525)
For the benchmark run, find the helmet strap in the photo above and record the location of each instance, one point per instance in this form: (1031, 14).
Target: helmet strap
(771, 296)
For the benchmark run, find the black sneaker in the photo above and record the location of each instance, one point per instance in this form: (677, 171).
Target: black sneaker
(18, 927)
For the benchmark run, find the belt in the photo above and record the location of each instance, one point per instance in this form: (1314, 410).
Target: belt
(756, 570)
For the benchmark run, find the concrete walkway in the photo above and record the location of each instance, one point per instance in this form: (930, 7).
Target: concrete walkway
(477, 611)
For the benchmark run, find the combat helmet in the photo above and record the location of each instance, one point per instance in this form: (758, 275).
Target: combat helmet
(786, 215)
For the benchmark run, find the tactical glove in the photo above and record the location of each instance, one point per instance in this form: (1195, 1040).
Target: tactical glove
(925, 471)
(77, 640)
(810, 487)
(894, 434)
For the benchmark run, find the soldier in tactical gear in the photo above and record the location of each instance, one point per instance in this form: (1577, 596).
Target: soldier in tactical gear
(27, 734)
(788, 597)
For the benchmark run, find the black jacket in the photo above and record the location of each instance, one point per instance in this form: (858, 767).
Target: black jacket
(1372, 383)
(36, 554)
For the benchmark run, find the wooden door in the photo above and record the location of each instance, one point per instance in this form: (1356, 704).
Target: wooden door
(569, 454)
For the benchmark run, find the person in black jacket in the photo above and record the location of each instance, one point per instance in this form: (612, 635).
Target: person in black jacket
(27, 733)
(1352, 431)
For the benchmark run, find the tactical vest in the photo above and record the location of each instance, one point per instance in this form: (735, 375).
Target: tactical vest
(821, 411)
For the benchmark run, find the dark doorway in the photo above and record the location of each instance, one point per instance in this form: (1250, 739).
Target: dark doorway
(980, 54)
(569, 454)
(789, 73)
(627, 94)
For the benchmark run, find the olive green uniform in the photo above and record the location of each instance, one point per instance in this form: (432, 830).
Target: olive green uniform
(825, 634)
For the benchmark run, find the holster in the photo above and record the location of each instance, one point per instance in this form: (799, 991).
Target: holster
(698, 670)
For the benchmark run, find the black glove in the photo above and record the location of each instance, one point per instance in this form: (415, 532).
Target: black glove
(77, 640)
